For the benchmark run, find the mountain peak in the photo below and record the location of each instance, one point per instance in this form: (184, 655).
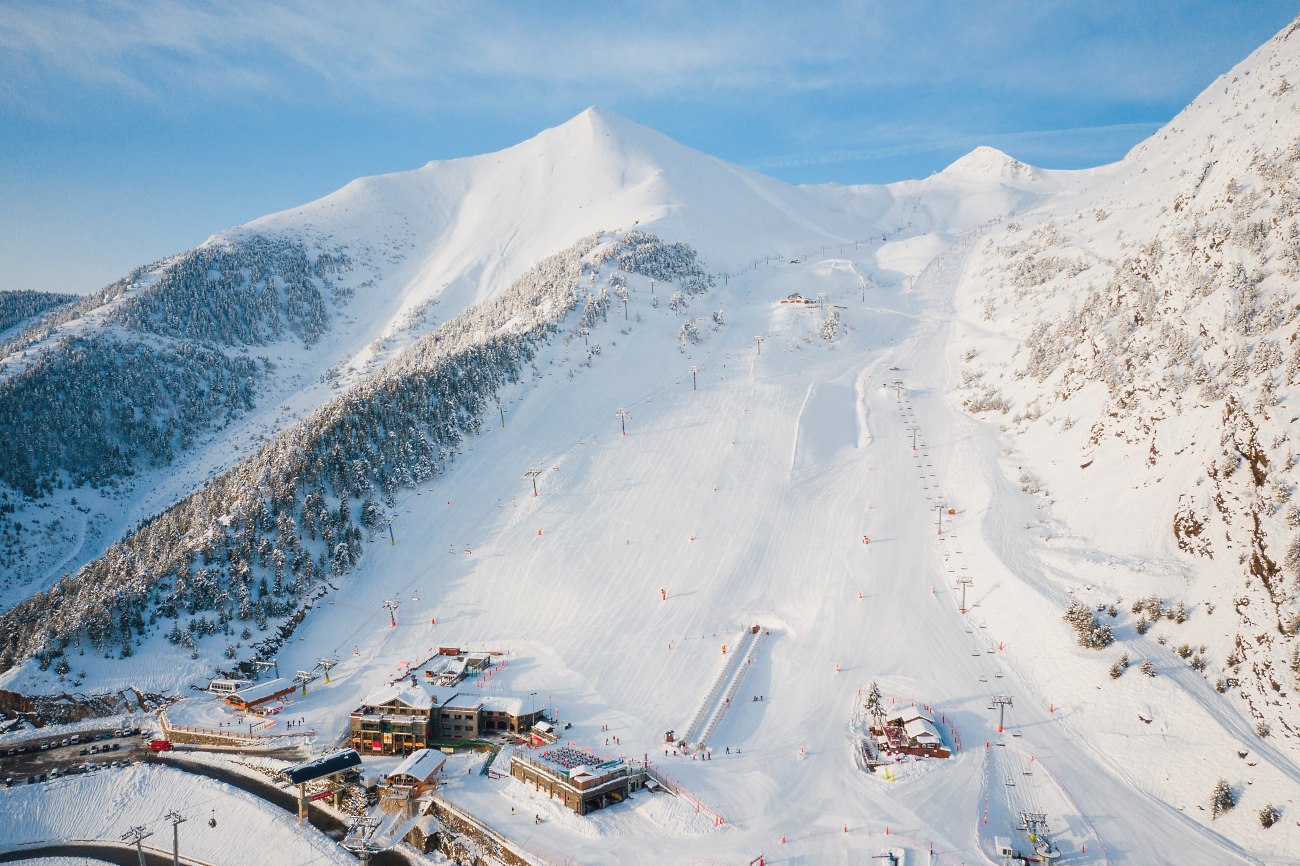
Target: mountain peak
(990, 163)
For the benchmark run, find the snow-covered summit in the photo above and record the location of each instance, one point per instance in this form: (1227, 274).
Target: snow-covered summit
(989, 163)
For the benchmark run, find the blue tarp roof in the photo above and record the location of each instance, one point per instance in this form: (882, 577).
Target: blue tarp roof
(321, 767)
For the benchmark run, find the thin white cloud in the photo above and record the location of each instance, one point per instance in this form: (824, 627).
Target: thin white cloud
(439, 53)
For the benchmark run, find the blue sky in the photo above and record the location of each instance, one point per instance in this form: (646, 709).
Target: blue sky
(130, 130)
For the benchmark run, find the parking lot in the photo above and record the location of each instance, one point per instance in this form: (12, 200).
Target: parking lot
(43, 758)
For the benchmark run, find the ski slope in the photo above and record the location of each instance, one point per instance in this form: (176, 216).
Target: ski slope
(747, 500)
(831, 491)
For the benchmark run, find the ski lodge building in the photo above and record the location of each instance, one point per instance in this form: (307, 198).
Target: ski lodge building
(417, 772)
(400, 719)
(253, 696)
(579, 778)
(392, 721)
(911, 731)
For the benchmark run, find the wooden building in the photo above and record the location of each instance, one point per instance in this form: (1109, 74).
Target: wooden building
(417, 772)
(392, 721)
(399, 719)
(261, 693)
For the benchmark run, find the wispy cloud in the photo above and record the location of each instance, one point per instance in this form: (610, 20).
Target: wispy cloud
(427, 54)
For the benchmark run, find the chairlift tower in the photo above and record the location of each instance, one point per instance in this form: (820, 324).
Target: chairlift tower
(964, 582)
(897, 385)
(1000, 703)
(303, 677)
(136, 836)
(274, 664)
(533, 473)
(359, 836)
(1035, 824)
(622, 415)
(177, 820)
(325, 665)
(391, 606)
(758, 341)
(941, 507)
(695, 386)
(913, 429)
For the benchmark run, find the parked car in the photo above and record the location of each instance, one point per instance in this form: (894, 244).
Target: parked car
(65, 742)
(84, 752)
(160, 746)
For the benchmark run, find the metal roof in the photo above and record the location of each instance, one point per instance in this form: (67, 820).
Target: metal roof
(421, 764)
(321, 767)
(262, 691)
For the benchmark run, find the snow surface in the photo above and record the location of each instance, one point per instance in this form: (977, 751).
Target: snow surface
(748, 500)
(104, 805)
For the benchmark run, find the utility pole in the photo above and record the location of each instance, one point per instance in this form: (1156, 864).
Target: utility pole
(758, 341)
(533, 473)
(135, 836)
(964, 582)
(391, 605)
(694, 384)
(1000, 703)
(623, 415)
(177, 820)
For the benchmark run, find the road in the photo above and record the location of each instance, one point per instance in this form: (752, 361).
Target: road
(34, 763)
(99, 851)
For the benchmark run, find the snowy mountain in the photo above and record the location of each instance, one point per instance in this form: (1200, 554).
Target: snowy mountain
(1143, 342)
(1000, 431)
